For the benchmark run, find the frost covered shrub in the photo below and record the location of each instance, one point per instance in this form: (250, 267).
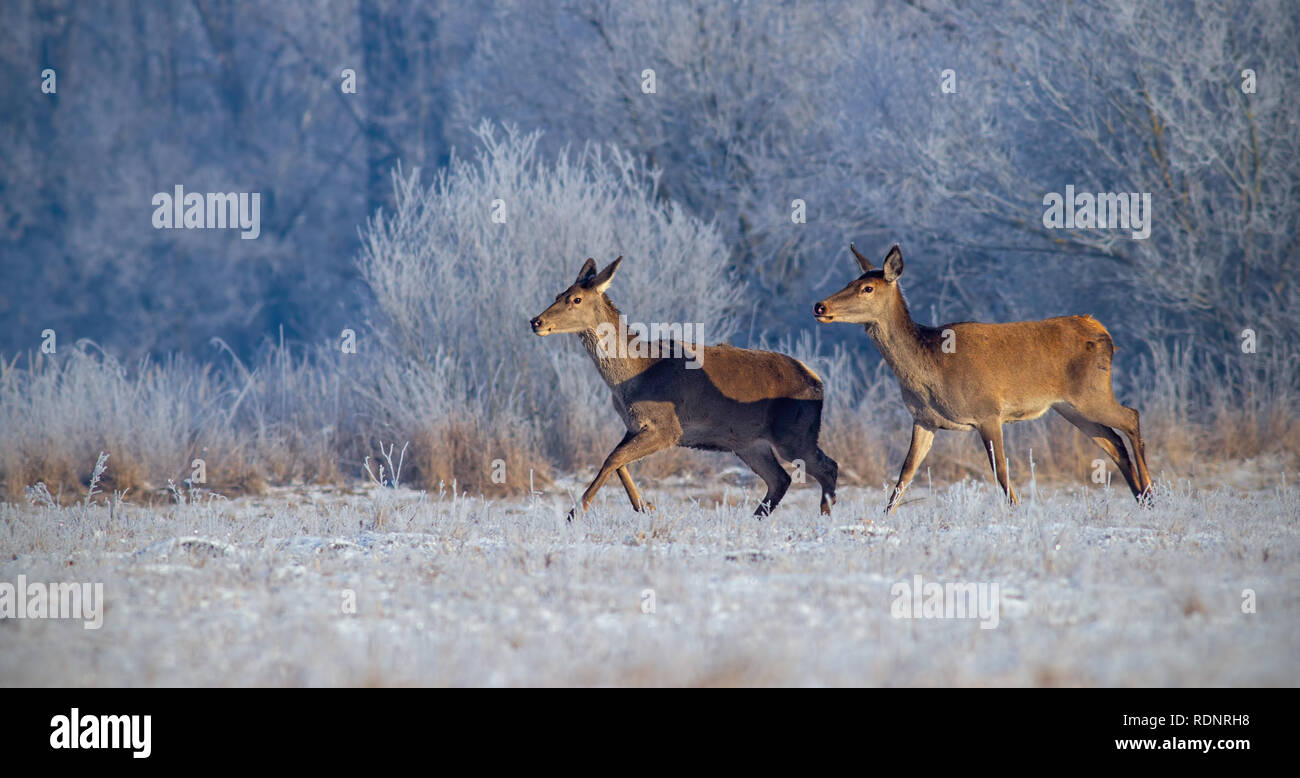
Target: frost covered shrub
(279, 420)
(59, 413)
(461, 266)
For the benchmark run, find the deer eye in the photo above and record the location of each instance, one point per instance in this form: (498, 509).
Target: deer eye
(577, 300)
(866, 290)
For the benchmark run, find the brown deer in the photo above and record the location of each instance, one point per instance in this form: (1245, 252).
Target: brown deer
(972, 375)
(756, 404)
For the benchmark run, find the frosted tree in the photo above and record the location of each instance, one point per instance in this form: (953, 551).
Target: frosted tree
(734, 102)
(1188, 102)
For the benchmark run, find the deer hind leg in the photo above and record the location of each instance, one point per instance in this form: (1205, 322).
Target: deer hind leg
(635, 445)
(827, 473)
(991, 435)
(1125, 419)
(1109, 442)
(922, 438)
(762, 460)
(633, 495)
(817, 464)
(796, 425)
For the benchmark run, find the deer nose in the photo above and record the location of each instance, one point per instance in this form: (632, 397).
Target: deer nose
(536, 324)
(819, 309)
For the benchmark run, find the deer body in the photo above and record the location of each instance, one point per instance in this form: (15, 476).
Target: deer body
(971, 375)
(991, 387)
(735, 397)
(756, 404)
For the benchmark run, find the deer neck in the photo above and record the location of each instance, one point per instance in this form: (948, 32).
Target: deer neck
(613, 349)
(898, 337)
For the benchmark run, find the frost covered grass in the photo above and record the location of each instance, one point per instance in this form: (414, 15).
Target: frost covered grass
(464, 591)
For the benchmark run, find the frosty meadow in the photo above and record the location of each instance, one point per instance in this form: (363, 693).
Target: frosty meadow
(329, 452)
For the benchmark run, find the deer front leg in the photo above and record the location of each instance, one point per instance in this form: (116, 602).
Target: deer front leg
(634, 446)
(991, 435)
(922, 437)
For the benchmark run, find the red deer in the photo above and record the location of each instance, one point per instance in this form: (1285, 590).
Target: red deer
(972, 375)
(757, 404)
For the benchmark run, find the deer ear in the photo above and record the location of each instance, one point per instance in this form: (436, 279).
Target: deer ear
(863, 262)
(602, 280)
(893, 264)
(588, 270)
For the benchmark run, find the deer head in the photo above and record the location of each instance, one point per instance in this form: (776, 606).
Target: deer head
(581, 307)
(870, 297)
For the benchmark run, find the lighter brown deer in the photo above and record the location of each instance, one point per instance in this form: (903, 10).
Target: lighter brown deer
(972, 375)
(757, 404)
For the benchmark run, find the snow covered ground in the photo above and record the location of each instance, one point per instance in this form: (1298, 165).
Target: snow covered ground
(1092, 590)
